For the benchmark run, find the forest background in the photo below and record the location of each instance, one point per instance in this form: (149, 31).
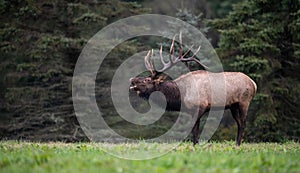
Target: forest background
(40, 42)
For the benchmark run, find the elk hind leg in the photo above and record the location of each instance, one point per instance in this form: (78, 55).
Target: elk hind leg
(243, 109)
(236, 116)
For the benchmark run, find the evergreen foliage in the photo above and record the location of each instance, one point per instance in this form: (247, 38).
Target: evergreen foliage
(261, 38)
(221, 8)
(40, 42)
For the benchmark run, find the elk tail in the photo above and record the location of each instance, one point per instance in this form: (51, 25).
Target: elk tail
(255, 86)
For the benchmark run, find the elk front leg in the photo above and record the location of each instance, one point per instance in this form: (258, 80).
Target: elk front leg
(195, 130)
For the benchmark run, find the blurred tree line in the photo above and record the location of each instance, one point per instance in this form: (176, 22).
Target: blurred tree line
(262, 39)
(40, 44)
(41, 41)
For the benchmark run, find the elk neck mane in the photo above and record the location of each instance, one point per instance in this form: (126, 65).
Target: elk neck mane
(171, 93)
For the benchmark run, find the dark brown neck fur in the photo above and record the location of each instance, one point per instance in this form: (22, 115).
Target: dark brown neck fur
(172, 94)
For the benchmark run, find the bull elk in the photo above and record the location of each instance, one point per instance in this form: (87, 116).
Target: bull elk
(240, 89)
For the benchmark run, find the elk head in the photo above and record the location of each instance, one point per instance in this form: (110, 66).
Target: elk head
(144, 86)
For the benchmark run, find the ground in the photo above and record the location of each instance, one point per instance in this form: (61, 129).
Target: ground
(212, 157)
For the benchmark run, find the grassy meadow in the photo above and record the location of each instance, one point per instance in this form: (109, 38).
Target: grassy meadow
(218, 157)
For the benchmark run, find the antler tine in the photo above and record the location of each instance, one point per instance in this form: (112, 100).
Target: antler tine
(198, 62)
(180, 42)
(172, 50)
(196, 51)
(161, 57)
(172, 45)
(152, 60)
(148, 64)
(146, 60)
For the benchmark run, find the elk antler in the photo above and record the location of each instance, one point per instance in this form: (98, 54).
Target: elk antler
(172, 58)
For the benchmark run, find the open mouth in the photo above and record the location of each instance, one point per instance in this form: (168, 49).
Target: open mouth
(134, 88)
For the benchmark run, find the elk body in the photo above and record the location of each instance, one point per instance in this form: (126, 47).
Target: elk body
(240, 90)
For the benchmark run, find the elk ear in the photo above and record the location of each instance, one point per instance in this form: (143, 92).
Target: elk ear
(160, 79)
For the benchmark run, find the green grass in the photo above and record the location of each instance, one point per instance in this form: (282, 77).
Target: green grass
(89, 157)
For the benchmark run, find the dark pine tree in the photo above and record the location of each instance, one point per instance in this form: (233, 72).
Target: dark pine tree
(262, 39)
